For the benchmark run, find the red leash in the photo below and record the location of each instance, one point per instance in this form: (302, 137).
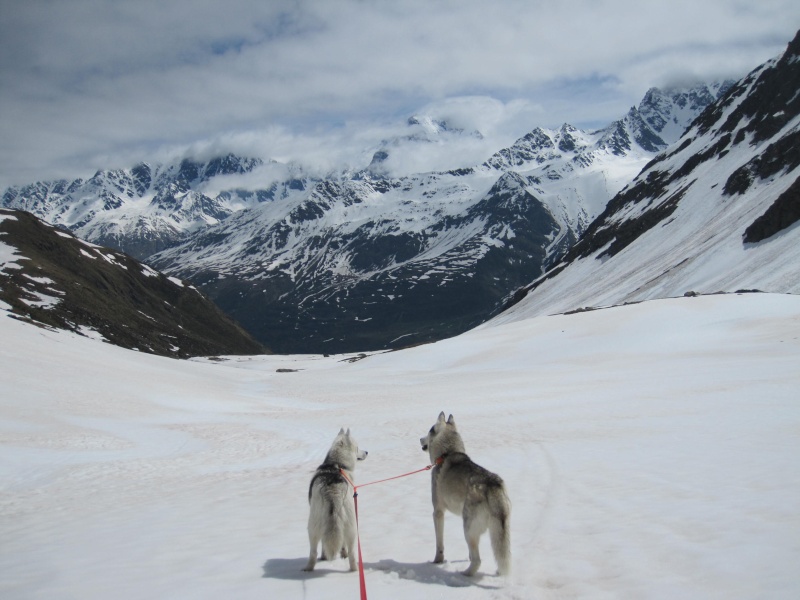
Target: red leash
(361, 580)
(428, 468)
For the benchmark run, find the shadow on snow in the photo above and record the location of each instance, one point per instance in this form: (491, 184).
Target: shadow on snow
(429, 573)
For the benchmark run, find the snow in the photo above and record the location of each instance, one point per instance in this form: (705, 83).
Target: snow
(148, 272)
(40, 300)
(650, 451)
(8, 257)
(111, 259)
(91, 333)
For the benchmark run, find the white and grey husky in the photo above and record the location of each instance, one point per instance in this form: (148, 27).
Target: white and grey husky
(332, 519)
(468, 490)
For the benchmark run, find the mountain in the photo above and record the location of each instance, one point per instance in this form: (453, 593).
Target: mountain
(421, 131)
(717, 212)
(577, 172)
(363, 261)
(359, 265)
(139, 210)
(53, 279)
(369, 262)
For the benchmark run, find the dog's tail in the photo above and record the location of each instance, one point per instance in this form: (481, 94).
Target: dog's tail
(333, 539)
(339, 524)
(499, 530)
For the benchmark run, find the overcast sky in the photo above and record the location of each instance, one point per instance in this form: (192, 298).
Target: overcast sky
(89, 84)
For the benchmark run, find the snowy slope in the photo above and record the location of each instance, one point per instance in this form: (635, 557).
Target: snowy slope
(718, 211)
(650, 451)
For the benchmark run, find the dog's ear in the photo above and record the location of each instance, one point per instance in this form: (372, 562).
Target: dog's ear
(348, 432)
(451, 420)
(441, 417)
(341, 431)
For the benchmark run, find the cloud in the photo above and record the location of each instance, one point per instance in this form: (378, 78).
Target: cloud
(89, 84)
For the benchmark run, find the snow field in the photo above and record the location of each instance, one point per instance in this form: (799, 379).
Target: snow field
(649, 452)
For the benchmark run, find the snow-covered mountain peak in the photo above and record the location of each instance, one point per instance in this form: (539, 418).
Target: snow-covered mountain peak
(669, 111)
(142, 209)
(428, 124)
(422, 133)
(659, 120)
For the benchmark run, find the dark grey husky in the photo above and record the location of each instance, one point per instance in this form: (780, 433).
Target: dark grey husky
(468, 490)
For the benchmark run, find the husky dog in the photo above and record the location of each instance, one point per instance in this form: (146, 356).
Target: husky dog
(332, 519)
(469, 490)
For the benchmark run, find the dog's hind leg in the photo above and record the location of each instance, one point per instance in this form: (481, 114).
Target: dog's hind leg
(473, 538)
(313, 540)
(351, 556)
(474, 526)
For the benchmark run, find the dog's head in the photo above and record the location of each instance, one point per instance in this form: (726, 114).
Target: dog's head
(443, 438)
(345, 451)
